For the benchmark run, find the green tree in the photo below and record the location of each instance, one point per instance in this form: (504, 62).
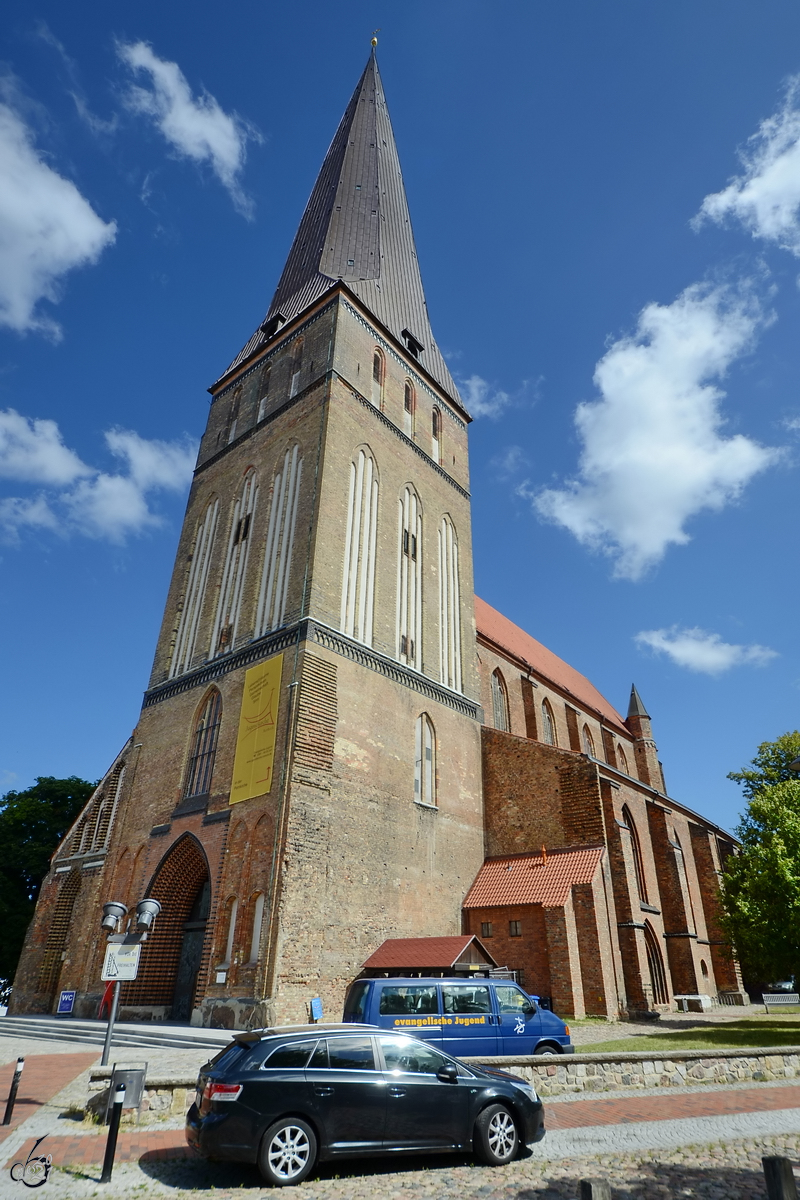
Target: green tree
(760, 889)
(32, 823)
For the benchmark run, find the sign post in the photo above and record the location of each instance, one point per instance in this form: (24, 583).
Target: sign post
(121, 964)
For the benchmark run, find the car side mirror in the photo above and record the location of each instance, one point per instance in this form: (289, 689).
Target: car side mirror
(448, 1073)
(529, 1009)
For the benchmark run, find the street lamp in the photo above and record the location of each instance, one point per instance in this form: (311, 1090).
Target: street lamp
(114, 914)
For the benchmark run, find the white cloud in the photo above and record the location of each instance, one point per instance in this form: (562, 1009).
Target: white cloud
(34, 452)
(79, 498)
(482, 399)
(653, 455)
(197, 128)
(766, 198)
(701, 651)
(46, 229)
(508, 462)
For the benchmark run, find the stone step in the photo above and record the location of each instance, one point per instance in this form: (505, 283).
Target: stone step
(126, 1033)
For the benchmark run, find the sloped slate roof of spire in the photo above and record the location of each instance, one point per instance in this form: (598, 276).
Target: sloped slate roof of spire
(636, 707)
(357, 228)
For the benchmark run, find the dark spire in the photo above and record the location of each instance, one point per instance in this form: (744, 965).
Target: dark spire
(357, 228)
(636, 708)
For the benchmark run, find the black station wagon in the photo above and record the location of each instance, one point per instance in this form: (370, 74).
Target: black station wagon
(289, 1098)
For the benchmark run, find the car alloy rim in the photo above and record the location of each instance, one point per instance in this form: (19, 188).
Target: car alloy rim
(289, 1151)
(502, 1135)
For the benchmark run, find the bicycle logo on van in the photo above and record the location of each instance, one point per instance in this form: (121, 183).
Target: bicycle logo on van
(36, 1168)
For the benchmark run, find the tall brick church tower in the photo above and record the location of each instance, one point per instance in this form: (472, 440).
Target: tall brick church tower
(305, 777)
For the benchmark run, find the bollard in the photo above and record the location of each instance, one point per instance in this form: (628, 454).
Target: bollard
(113, 1130)
(595, 1189)
(12, 1095)
(780, 1178)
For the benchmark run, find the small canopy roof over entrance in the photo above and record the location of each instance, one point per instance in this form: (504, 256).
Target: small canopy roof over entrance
(461, 955)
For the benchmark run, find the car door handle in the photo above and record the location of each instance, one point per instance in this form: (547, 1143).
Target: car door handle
(323, 1091)
(397, 1091)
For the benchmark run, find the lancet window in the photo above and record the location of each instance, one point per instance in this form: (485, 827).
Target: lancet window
(449, 607)
(226, 623)
(280, 542)
(636, 850)
(204, 747)
(186, 638)
(500, 702)
(233, 415)
(263, 390)
(258, 918)
(296, 367)
(436, 435)
(409, 579)
(378, 372)
(358, 584)
(548, 724)
(588, 742)
(409, 405)
(425, 761)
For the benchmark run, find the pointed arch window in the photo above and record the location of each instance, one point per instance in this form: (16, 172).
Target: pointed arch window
(425, 761)
(655, 963)
(636, 850)
(588, 742)
(280, 542)
(622, 761)
(358, 584)
(233, 908)
(680, 861)
(186, 638)
(436, 435)
(263, 390)
(233, 415)
(258, 920)
(226, 624)
(204, 747)
(409, 407)
(409, 579)
(548, 724)
(500, 702)
(449, 607)
(378, 374)
(296, 367)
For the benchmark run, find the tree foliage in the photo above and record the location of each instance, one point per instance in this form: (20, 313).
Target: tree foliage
(761, 886)
(32, 823)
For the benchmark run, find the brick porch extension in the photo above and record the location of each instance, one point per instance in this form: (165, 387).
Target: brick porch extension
(43, 1076)
(159, 1145)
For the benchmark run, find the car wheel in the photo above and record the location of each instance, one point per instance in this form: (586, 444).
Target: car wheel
(288, 1152)
(547, 1048)
(496, 1137)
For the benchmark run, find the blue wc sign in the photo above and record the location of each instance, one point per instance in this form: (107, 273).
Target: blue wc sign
(65, 1002)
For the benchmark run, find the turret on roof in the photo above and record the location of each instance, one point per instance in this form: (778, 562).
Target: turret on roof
(356, 228)
(636, 706)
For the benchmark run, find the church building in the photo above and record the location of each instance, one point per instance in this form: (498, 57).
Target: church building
(340, 744)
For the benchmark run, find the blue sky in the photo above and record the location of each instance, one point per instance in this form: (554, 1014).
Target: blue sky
(606, 200)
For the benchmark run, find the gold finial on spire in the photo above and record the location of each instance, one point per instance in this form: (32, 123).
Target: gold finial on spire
(375, 33)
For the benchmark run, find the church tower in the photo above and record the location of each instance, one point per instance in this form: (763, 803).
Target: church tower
(305, 777)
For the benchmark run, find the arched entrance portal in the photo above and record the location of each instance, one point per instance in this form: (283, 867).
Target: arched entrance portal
(172, 958)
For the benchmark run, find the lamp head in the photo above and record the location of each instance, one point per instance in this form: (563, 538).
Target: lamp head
(146, 913)
(113, 912)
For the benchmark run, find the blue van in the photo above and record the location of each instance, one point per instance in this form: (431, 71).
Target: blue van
(468, 1018)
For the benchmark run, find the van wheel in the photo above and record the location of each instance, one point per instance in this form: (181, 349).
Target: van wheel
(288, 1152)
(496, 1137)
(547, 1048)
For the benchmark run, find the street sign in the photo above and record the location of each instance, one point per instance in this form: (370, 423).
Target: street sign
(121, 962)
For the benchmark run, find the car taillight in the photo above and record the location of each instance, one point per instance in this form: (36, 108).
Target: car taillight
(221, 1091)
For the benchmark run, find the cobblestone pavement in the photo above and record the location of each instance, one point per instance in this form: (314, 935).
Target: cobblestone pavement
(723, 1169)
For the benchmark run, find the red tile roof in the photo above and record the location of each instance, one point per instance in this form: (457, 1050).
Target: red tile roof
(528, 879)
(423, 953)
(508, 636)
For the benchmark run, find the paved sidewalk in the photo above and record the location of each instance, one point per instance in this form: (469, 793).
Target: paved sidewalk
(634, 1109)
(43, 1077)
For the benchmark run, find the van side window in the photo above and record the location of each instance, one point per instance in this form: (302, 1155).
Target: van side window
(466, 998)
(399, 1001)
(511, 1000)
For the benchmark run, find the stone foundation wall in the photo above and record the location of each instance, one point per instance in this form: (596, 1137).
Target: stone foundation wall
(162, 1099)
(554, 1076)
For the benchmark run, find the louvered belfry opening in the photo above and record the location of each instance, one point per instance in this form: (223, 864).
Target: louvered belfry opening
(178, 885)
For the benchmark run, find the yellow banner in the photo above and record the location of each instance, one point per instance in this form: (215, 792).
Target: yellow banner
(258, 723)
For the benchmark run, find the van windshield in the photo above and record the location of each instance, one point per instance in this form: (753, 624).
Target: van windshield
(356, 1002)
(408, 1000)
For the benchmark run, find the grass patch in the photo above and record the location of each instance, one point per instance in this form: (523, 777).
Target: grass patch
(730, 1035)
